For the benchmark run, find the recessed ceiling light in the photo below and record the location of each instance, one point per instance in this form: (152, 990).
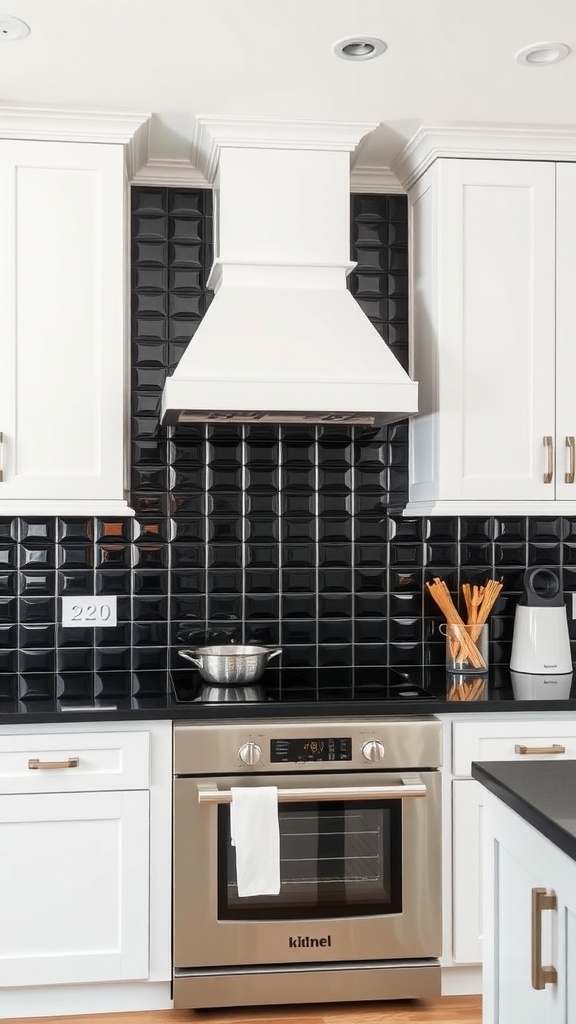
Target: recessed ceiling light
(539, 54)
(359, 48)
(12, 28)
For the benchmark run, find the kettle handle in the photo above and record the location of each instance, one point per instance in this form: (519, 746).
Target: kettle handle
(190, 657)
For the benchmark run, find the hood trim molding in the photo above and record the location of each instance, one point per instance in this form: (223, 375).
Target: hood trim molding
(212, 134)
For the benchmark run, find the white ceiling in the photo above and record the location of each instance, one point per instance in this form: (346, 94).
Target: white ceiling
(447, 62)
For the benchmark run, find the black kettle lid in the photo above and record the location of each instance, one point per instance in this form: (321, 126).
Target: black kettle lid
(542, 589)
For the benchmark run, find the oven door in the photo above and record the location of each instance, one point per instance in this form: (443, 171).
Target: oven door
(360, 872)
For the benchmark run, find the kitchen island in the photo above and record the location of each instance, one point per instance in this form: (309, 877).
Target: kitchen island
(529, 884)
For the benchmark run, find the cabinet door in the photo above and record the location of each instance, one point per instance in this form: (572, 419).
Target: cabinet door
(73, 888)
(483, 283)
(467, 795)
(566, 333)
(518, 860)
(62, 326)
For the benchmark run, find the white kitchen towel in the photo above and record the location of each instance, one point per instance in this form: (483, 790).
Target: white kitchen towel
(255, 834)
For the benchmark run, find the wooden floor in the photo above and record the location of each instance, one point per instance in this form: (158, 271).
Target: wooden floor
(450, 1010)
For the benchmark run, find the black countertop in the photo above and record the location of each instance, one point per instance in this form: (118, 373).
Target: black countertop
(541, 792)
(432, 691)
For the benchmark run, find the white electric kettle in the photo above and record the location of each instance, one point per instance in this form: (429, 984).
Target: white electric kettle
(540, 643)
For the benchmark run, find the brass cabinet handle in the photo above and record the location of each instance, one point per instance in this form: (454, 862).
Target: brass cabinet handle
(541, 976)
(570, 476)
(556, 748)
(549, 471)
(72, 762)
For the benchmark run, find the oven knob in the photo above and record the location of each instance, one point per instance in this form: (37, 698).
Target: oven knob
(250, 753)
(373, 750)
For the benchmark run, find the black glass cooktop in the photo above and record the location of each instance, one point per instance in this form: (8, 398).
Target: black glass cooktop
(383, 684)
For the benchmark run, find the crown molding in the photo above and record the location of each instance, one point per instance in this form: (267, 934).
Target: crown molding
(171, 174)
(375, 180)
(213, 133)
(181, 174)
(50, 124)
(482, 142)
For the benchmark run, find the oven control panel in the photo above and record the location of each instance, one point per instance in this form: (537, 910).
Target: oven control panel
(328, 748)
(331, 745)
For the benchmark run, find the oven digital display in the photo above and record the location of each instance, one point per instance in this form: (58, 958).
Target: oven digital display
(331, 749)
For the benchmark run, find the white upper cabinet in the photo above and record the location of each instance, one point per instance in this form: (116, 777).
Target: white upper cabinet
(64, 316)
(493, 299)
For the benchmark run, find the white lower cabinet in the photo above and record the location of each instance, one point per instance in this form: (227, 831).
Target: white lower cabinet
(74, 887)
(484, 738)
(518, 861)
(85, 868)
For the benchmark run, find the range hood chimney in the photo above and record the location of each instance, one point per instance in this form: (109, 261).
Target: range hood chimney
(283, 339)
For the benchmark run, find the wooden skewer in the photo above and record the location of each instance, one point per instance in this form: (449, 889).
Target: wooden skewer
(458, 633)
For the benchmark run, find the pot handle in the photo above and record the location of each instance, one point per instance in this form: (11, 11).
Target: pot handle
(274, 651)
(190, 657)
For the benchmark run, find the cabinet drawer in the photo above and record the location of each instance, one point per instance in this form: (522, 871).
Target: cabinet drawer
(105, 761)
(496, 741)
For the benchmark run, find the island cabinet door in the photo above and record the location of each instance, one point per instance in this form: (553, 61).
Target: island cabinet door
(73, 888)
(530, 924)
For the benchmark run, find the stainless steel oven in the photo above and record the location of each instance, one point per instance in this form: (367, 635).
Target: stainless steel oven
(358, 915)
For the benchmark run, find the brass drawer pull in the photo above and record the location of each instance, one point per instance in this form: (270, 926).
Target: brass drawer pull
(556, 748)
(72, 762)
(541, 976)
(549, 471)
(570, 475)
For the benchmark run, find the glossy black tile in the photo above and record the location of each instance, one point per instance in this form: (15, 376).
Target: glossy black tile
(261, 606)
(37, 609)
(75, 686)
(75, 659)
(75, 582)
(37, 660)
(8, 663)
(8, 584)
(334, 631)
(9, 636)
(370, 631)
(36, 685)
(35, 635)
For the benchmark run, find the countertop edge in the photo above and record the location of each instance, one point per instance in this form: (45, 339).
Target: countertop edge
(37, 713)
(483, 772)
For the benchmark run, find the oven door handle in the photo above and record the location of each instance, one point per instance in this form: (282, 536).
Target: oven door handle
(408, 787)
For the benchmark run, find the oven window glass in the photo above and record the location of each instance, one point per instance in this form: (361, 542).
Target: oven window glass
(336, 860)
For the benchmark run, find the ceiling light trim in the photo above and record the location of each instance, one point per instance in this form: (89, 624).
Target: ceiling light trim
(345, 48)
(546, 54)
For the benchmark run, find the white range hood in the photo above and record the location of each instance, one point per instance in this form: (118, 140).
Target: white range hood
(283, 339)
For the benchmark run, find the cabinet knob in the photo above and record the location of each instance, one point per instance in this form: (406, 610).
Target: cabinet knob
(250, 753)
(373, 750)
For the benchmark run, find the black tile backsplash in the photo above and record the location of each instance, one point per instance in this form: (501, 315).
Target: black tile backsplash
(290, 536)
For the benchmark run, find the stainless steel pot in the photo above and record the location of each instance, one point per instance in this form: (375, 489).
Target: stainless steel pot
(230, 664)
